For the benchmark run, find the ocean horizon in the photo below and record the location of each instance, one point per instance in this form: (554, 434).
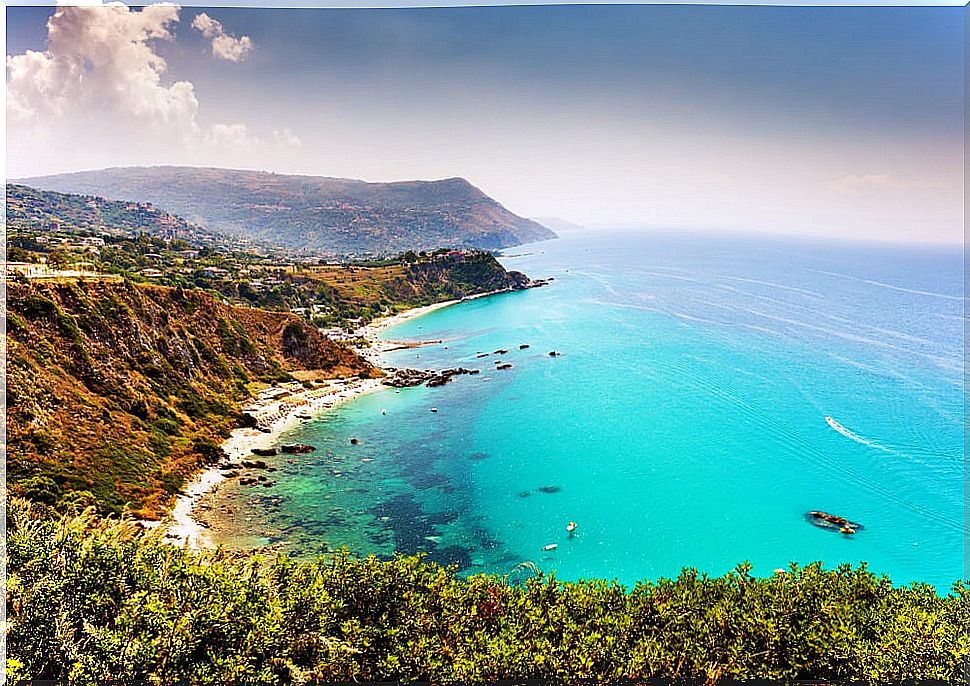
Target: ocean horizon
(709, 392)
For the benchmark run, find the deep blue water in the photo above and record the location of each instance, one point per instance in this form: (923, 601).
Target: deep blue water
(684, 425)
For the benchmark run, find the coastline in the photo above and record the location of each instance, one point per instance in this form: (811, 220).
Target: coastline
(182, 527)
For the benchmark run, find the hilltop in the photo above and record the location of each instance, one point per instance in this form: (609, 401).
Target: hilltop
(315, 213)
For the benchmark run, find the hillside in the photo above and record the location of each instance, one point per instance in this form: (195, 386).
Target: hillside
(117, 391)
(321, 214)
(334, 294)
(33, 210)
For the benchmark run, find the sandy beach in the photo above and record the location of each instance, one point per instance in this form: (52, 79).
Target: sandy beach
(276, 416)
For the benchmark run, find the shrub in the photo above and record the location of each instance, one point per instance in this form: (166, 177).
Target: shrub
(90, 599)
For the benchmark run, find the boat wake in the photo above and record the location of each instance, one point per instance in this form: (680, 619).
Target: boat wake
(855, 437)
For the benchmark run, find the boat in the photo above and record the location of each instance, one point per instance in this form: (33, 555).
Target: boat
(551, 546)
(571, 527)
(434, 409)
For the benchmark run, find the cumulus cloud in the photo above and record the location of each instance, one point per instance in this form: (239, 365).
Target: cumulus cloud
(101, 58)
(285, 138)
(224, 45)
(99, 93)
(232, 137)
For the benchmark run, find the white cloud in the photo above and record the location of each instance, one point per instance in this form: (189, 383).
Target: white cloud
(231, 137)
(884, 180)
(98, 95)
(101, 58)
(285, 138)
(224, 45)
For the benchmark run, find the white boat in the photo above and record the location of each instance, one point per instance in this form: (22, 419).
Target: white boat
(551, 546)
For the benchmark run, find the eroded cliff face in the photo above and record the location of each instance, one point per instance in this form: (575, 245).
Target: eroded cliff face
(117, 391)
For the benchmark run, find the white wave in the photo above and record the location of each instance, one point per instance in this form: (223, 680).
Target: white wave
(676, 277)
(892, 287)
(772, 284)
(855, 437)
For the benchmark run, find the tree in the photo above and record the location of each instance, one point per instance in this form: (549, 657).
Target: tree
(15, 254)
(57, 260)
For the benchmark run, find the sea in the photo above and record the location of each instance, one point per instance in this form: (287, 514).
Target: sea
(707, 394)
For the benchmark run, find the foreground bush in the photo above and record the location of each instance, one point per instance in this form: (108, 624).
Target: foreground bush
(90, 600)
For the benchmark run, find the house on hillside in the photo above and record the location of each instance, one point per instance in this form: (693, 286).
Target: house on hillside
(215, 272)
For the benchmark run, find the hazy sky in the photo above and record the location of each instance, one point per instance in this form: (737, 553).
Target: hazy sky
(837, 121)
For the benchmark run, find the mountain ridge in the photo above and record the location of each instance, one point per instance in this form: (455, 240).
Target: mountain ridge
(314, 213)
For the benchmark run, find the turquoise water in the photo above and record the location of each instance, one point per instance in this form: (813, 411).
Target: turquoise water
(684, 424)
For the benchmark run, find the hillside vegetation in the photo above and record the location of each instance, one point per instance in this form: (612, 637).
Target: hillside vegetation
(33, 210)
(321, 214)
(90, 601)
(117, 391)
(334, 294)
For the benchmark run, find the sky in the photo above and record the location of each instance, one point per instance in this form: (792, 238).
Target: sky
(845, 122)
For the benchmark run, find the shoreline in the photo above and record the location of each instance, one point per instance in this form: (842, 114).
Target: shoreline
(182, 527)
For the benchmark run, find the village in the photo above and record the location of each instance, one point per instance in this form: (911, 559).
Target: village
(56, 237)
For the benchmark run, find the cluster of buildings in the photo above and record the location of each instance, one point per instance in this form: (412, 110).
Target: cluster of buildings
(80, 244)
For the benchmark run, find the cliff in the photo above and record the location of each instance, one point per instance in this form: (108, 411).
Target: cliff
(117, 391)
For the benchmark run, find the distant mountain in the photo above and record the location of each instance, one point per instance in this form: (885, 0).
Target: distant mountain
(315, 213)
(557, 224)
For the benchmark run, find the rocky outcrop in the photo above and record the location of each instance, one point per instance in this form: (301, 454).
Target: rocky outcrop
(405, 378)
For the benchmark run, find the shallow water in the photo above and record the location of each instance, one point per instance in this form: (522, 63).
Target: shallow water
(710, 393)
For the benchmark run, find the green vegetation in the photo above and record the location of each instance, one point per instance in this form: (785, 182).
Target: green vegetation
(91, 600)
(111, 381)
(119, 391)
(319, 214)
(72, 218)
(148, 246)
